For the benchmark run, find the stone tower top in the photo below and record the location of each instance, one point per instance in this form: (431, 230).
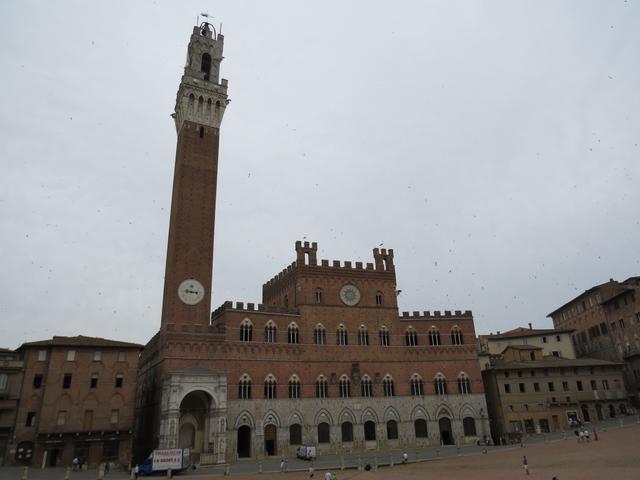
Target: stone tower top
(202, 96)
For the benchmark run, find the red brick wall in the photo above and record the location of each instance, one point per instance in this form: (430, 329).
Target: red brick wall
(191, 229)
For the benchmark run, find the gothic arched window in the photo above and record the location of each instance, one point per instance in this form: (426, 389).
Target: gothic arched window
(341, 336)
(294, 387)
(293, 333)
(244, 387)
(363, 336)
(270, 387)
(410, 337)
(383, 334)
(345, 387)
(270, 332)
(321, 387)
(456, 336)
(319, 335)
(366, 386)
(434, 336)
(387, 386)
(440, 384)
(417, 388)
(464, 384)
(246, 330)
(379, 299)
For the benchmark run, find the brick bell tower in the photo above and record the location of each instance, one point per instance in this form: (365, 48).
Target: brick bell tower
(200, 106)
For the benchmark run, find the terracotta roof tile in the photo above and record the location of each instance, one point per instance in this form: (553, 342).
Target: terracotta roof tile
(80, 341)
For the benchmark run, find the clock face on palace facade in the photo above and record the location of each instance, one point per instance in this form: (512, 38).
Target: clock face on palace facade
(350, 295)
(191, 291)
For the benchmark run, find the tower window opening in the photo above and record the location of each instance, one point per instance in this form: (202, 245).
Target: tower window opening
(205, 65)
(379, 299)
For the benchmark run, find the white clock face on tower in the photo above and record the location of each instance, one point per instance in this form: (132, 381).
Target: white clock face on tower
(350, 295)
(191, 291)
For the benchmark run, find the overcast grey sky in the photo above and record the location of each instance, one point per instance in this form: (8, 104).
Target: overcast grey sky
(493, 145)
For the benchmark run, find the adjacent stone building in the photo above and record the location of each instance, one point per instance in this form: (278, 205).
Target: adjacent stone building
(77, 400)
(11, 367)
(534, 394)
(554, 342)
(606, 324)
(325, 359)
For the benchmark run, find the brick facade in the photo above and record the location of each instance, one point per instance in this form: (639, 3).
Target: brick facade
(78, 398)
(606, 320)
(325, 359)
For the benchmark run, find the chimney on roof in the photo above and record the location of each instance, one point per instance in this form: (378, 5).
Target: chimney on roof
(530, 327)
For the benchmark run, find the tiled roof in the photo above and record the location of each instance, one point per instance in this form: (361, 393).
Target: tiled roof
(523, 347)
(80, 341)
(526, 332)
(610, 284)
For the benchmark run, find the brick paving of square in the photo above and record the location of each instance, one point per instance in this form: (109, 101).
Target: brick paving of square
(616, 455)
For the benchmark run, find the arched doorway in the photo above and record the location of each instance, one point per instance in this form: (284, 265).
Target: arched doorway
(270, 440)
(194, 414)
(446, 436)
(585, 413)
(187, 435)
(599, 411)
(244, 442)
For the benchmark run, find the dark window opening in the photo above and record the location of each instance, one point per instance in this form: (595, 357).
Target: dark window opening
(66, 380)
(31, 419)
(347, 432)
(420, 426)
(295, 434)
(323, 433)
(205, 65)
(392, 430)
(369, 431)
(37, 381)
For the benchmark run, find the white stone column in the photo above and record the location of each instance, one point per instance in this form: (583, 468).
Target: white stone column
(217, 433)
(169, 428)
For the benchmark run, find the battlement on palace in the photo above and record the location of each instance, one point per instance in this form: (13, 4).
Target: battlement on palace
(436, 314)
(306, 256)
(251, 307)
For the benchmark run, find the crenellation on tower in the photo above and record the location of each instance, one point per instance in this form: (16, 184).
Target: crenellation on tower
(202, 97)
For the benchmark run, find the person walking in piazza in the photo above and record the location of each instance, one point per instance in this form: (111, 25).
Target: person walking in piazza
(525, 464)
(311, 471)
(282, 464)
(586, 434)
(327, 476)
